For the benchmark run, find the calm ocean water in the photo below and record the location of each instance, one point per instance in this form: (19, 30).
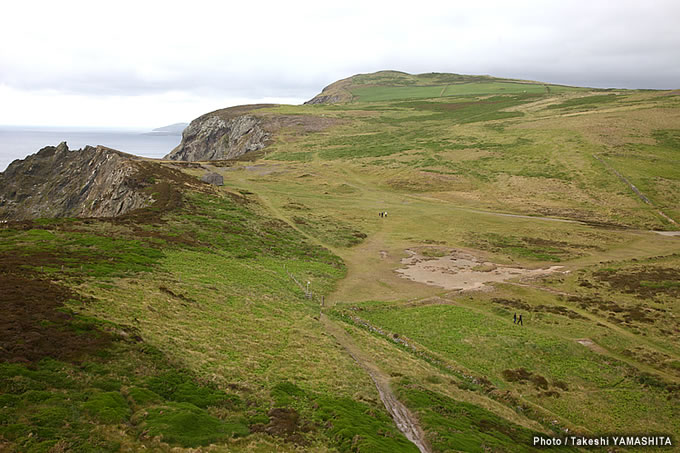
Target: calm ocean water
(19, 142)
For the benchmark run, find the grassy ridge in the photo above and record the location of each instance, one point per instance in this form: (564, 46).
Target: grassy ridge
(204, 323)
(393, 85)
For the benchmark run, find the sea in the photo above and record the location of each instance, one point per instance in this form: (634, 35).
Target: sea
(18, 142)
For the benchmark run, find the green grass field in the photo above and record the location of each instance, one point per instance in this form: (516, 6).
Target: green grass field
(191, 329)
(388, 93)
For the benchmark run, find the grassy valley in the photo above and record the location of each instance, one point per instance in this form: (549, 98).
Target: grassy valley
(273, 313)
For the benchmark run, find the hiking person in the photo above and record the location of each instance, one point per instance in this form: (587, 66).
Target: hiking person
(514, 319)
(520, 320)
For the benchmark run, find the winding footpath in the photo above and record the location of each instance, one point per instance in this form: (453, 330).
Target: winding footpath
(632, 187)
(405, 421)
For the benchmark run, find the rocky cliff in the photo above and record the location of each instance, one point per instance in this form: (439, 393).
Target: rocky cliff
(335, 93)
(58, 182)
(235, 131)
(223, 134)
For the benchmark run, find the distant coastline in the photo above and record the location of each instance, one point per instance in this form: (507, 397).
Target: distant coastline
(172, 129)
(17, 142)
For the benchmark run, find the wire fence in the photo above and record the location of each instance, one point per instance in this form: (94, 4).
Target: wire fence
(309, 294)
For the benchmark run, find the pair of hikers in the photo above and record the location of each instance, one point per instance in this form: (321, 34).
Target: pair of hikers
(517, 321)
(383, 214)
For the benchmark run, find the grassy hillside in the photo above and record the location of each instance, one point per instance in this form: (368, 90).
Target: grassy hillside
(179, 329)
(187, 326)
(395, 85)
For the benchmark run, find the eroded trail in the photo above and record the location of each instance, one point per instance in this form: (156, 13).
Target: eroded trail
(632, 187)
(402, 417)
(405, 421)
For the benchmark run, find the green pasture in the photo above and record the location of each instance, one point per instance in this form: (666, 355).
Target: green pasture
(391, 93)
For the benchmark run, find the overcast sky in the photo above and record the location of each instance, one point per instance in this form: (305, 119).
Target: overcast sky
(151, 63)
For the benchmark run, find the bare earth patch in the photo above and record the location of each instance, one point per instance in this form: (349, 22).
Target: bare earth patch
(462, 271)
(590, 344)
(668, 233)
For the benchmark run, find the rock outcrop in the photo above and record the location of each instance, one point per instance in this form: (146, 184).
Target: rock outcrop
(324, 99)
(235, 131)
(335, 93)
(57, 182)
(213, 178)
(223, 134)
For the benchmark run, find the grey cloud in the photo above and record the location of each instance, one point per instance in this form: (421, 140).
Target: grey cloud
(594, 43)
(105, 83)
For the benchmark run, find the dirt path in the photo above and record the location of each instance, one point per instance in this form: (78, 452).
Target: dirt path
(403, 418)
(667, 233)
(448, 363)
(632, 187)
(528, 217)
(277, 213)
(405, 421)
(424, 198)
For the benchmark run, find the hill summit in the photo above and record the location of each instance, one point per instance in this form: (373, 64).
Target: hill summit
(393, 85)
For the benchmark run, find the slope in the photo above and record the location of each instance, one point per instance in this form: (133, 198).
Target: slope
(474, 185)
(395, 85)
(175, 328)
